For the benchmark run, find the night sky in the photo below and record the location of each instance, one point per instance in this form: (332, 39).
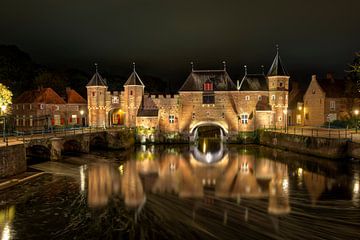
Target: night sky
(163, 36)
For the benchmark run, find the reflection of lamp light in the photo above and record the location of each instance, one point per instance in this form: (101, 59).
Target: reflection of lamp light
(3, 108)
(356, 112)
(82, 112)
(300, 108)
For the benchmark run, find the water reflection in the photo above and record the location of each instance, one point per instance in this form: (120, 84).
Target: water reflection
(6, 217)
(231, 176)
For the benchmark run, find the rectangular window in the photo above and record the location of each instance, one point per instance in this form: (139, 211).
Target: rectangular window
(24, 120)
(307, 116)
(208, 86)
(74, 119)
(31, 120)
(17, 120)
(57, 120)
(208, 99)
(247, 98)
(332, 105)
(244, 118)
(171, 119)
(93, 94)
(273, 97)
(298, 119)
(259, 97)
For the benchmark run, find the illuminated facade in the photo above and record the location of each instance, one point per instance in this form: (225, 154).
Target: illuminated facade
(207, 97)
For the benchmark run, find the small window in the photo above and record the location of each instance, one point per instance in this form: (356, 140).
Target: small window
(332, 105)
(313, 91)
(244, 118)
(259, 98)
(280, 119)
(307, 116)
(247, 98)
(208, 99)
(115, 100)
(193, 115)
(208, 86)
(273, 97)
(131, 92)
(223, 115)
(30, 120)
(171, 119)
(24, 120)
(280, 84)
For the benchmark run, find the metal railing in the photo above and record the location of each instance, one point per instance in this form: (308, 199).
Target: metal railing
(351, 134)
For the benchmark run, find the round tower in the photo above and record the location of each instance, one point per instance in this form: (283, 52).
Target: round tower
(96, 98)
(133, 97)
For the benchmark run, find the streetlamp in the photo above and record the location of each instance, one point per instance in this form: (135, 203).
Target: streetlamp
(82, 113)
(356, 111)
(3, 109)
(285, 118)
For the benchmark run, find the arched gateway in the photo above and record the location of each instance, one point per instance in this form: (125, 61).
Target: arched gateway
(223, 129)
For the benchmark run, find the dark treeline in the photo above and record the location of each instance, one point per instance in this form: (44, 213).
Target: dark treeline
(20, 72)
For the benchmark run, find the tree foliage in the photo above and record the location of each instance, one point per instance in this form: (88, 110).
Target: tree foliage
(5, 96)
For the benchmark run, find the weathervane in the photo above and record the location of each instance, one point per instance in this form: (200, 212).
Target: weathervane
(192, 66)
(224, 63)
(245, 68)
(96, 67)
(134, 65)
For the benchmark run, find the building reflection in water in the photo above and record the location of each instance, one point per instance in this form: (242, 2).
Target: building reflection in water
(227, 174)
(6, 217)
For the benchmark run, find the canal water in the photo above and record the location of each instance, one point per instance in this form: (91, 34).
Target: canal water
(209, 191)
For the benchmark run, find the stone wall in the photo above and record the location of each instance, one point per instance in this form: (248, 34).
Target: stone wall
(12, 160)
(316, 146)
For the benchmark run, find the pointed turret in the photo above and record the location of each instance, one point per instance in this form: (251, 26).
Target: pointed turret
(277, 67)
(134, 79)
(96, 79)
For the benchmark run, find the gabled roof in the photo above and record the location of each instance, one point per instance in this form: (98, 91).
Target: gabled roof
(277, 67)
(74, 97)
(254, 82)
(148, 108)
(148, 112)
(43, 95)
(97, 80)
(134, 79)
(197, 78)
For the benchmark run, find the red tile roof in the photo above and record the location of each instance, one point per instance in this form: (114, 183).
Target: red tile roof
(43, 95)
(74, 97)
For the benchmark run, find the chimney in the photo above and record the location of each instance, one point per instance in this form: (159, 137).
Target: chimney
(329, 76)
(313, 77)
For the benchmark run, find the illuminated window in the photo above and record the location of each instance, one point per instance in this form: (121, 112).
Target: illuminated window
(280, 119)
(115, 99)
(273, 97)
(259, 97)
(208, 86)
(171, 119)
(332, 105)
(244, 118)
(31, 120)
(247, 98)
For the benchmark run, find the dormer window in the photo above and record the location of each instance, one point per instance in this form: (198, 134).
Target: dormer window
(208, 86)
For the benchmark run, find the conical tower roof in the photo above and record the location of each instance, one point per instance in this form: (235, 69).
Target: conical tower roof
(277, 67)
(134, 79)
(96, 79)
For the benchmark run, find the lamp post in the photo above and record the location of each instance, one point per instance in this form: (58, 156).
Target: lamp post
(3, 109)
(82, 115)
(356, 111)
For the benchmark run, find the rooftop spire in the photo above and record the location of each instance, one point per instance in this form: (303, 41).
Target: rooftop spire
(192, 66)
(224, 64)
(277, 67)
(96, 67)
(262, 69)
(134, 66)
(245, 69)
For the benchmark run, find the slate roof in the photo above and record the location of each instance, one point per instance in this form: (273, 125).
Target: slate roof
(148, 112)
(43, 95)
(74, 97)
(134, 79)
(97, 80)
(263, 104)
(254, 82)
(148, 108)
(220, 79)
(277, 67)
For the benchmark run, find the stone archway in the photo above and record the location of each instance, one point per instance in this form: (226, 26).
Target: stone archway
(37, 153)
(116, 117)
(194, 129)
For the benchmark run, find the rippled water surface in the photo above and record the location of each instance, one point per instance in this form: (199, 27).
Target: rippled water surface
(180, 192)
